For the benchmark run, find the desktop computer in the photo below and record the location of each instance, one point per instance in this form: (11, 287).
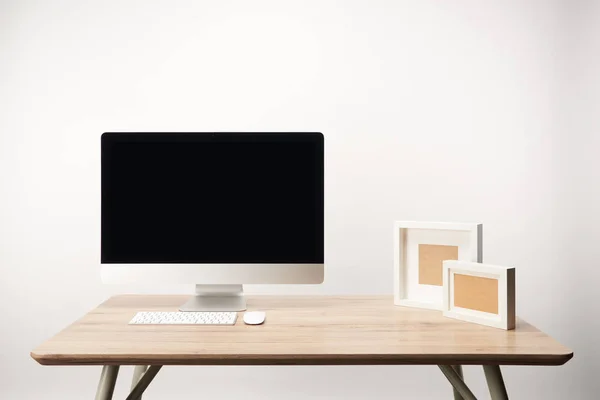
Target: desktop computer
(217, 210)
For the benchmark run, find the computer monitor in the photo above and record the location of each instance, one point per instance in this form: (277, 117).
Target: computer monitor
(213, 209)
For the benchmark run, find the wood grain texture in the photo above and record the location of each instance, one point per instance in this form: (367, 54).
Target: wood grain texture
(476, 293)
(299, 330)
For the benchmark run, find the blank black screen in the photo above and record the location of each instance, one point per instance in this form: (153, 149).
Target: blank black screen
(212, 198)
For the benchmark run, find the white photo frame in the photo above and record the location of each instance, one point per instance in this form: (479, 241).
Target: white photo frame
(463, 240)
(470, 293)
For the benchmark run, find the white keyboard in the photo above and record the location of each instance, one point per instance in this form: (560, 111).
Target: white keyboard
(183, 318)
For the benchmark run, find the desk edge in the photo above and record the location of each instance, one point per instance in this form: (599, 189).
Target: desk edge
(304, 359)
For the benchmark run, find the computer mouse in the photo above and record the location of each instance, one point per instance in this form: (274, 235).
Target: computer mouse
(254, 317)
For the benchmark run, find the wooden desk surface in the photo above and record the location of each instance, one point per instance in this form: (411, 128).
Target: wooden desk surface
(326, 330)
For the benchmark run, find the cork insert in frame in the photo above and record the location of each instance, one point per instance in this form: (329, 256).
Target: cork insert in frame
(476, 293)
(431, 257)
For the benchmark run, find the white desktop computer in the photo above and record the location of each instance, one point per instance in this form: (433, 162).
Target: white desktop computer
(217, 210)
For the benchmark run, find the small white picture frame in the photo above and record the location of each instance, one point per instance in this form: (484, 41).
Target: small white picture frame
(420, 284)
(480, 293)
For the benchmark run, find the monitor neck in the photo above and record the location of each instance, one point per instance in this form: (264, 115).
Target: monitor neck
(216, 298)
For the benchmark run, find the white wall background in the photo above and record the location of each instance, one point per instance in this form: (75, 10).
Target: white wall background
(432, 110)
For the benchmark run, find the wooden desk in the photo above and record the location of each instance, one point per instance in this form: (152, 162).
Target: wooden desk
(299, 330)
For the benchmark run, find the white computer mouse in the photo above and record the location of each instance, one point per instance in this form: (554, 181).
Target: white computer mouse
(254, 317)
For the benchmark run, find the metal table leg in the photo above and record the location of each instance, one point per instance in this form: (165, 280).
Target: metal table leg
(138, 372)
(459, 372)
(457, 382)
(106, 386)
(142, 384)
(493, 376)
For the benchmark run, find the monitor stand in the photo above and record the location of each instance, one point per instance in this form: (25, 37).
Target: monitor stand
(216, 298)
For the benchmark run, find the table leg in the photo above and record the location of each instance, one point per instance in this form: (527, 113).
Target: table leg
(459, 372)
(106, 386)
(457, 382)
(493, 376)
(145, 380)
(138, 372)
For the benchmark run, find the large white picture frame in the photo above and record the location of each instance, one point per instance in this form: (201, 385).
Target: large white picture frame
(415, 286)
(478, 298)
